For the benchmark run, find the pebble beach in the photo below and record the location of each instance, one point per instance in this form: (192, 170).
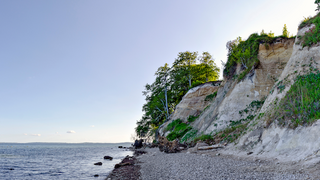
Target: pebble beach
(211, 165)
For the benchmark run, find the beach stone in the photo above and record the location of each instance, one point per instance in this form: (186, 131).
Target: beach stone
(120, 147)
(98, 163)
(108, 157)
(122, 164)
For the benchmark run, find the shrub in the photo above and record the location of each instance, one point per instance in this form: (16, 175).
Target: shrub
(189, 135)
(173, 124)
(192, 118)
(178, 128)
(211, 96)
(179, 131)
(313, 35)
(301, 105)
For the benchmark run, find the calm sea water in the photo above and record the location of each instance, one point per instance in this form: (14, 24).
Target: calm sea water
(58, 160)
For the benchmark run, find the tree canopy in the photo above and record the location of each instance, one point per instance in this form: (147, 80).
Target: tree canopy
(170, 85)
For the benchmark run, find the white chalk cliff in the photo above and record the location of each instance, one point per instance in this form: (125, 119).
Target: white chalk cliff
(282, 59)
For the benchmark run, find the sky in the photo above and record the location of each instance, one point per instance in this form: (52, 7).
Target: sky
(74, 71)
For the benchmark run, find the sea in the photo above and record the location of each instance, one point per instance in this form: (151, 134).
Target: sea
(58, 160)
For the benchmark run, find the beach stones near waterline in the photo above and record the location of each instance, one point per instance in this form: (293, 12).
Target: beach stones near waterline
(122, 164)
(108, 157)
(98, 164)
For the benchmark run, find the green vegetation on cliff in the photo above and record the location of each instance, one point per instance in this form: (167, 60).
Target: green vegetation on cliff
(301, 105)
(246, 52)
(312, 36)
(170, 85)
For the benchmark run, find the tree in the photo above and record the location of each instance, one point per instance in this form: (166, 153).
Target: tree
(262, 32)
(317, 2)
(163, 75)
(185, 61)
(170, 85)
(285, 32)
(208, 67)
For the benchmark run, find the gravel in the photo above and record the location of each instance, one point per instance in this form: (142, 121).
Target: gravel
(162, 166)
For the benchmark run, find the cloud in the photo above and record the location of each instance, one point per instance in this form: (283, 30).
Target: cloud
(25, 134)
(92, 126)
(71, 131)
(35, 134)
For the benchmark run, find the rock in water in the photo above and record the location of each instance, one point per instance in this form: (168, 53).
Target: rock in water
(120, 147)
(96, 175)
(98, 164)
(108, 157)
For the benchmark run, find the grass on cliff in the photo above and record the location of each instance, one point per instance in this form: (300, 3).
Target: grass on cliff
(307, 21)
(312, 36)
(246, 54)
(179, 129)
(301, 105)
(192, 118)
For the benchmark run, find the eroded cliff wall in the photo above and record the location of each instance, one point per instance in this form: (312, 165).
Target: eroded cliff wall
(282, 142)
(235, 96)
(193, 103)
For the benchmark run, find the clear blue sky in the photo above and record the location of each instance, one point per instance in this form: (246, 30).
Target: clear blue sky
(80, 66)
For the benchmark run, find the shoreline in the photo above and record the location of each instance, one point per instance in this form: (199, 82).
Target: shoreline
(128, 168)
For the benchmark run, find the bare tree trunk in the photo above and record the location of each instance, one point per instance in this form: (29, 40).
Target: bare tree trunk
(165, 94)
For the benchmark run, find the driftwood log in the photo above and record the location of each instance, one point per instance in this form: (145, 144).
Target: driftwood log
(210, 147)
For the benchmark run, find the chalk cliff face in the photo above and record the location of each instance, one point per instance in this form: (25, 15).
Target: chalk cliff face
(283, 59)
(193, 103)
(235, 96)
(302, 143)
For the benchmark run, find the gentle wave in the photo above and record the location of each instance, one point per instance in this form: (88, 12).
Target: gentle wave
(58, 161)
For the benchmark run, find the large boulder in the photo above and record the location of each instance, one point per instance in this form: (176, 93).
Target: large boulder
(168, 146)
(138, 144)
